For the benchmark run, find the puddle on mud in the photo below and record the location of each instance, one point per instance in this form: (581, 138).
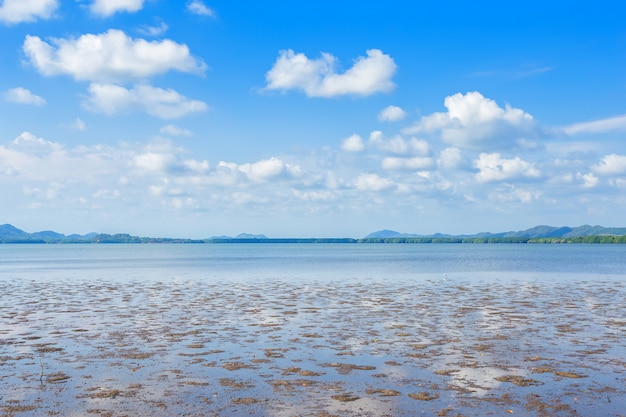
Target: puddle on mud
(275, 348)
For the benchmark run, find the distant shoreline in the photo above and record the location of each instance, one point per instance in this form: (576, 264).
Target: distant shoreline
(127, 239)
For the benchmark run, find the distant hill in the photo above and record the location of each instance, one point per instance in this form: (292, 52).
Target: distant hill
(8, 230)
(249, 236)
(48, 234)
(239, 237)
(11, 234)
(532, 233)
(385, 234)
(580, 234)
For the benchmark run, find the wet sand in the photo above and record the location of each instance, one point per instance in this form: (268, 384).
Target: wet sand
(438, 347)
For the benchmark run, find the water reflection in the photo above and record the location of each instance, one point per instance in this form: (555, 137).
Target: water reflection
(187, 343)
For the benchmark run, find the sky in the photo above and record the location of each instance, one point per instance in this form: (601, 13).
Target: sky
(203, 118)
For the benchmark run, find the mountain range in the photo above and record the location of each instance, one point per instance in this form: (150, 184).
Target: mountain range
(532, 233)
(11, 234)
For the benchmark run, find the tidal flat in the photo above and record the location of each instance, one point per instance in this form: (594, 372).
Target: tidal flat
(442, 346)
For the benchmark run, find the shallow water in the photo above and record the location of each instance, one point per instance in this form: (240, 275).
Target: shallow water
(286, 330)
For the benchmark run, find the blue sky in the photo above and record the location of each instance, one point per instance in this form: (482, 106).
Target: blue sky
(330, 119)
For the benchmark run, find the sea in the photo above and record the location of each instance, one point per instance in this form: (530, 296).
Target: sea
(310, 261)
(312, 329)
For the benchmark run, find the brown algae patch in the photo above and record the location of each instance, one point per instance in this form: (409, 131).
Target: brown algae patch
(48, 349)
(275, 352)
(58, 377)
(518, 380)
(345, 397)
(424, 396)
(232, 383)
(246, 401)
(137, 355)
(12, 409)
(446, 372)
(569, 374)
(235, 366)
(383, 392)
(346, 368)
(104, 393)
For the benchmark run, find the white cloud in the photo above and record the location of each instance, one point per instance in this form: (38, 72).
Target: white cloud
(107, 8)
(153, 161)
(107, 194)
(110, 56)
(77, 124)
(417, 162)
(265, 169)
(23, 96)
(17, 11)
(320, 195)
(399, 145)
(174, 130)
(597, 126)
(197, 167)
(29, 143)
(391, 114)
(353, 143)
(472, 119)
(199, 8)
(130, 177)
(589, 180)
(158, 30)
(165, 104)
(492, 167)
(317, 78)
(372, 182)
(513, 194)
(449, 158)
(612, 164)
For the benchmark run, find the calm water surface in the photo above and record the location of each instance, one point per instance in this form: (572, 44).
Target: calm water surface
(309, 261)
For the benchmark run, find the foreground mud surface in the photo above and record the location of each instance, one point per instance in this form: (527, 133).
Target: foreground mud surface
(439, 347)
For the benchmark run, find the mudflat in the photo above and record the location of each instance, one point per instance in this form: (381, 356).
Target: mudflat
(440, 347)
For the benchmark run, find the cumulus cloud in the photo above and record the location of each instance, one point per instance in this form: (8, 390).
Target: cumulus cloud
(173, 130)
(314, 196)
(166, 104)
(29, 143)
(162, 160)
(23, 96)
(17, 11)
(157, 30)
(612, 164)
(391, 114)
(372, 182)
(107, 8)
(318, 77)
(262, 170)
(597, 126)
(27, 153)
(110, 56)
(77, 124)
(199, 8)
(473, 119)
(153, 161)
(353, 143)
(492, 167)
(449, 158)
(398, 144)
(161, 174)
(513, 194)
(407, 163)
(589, 180)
